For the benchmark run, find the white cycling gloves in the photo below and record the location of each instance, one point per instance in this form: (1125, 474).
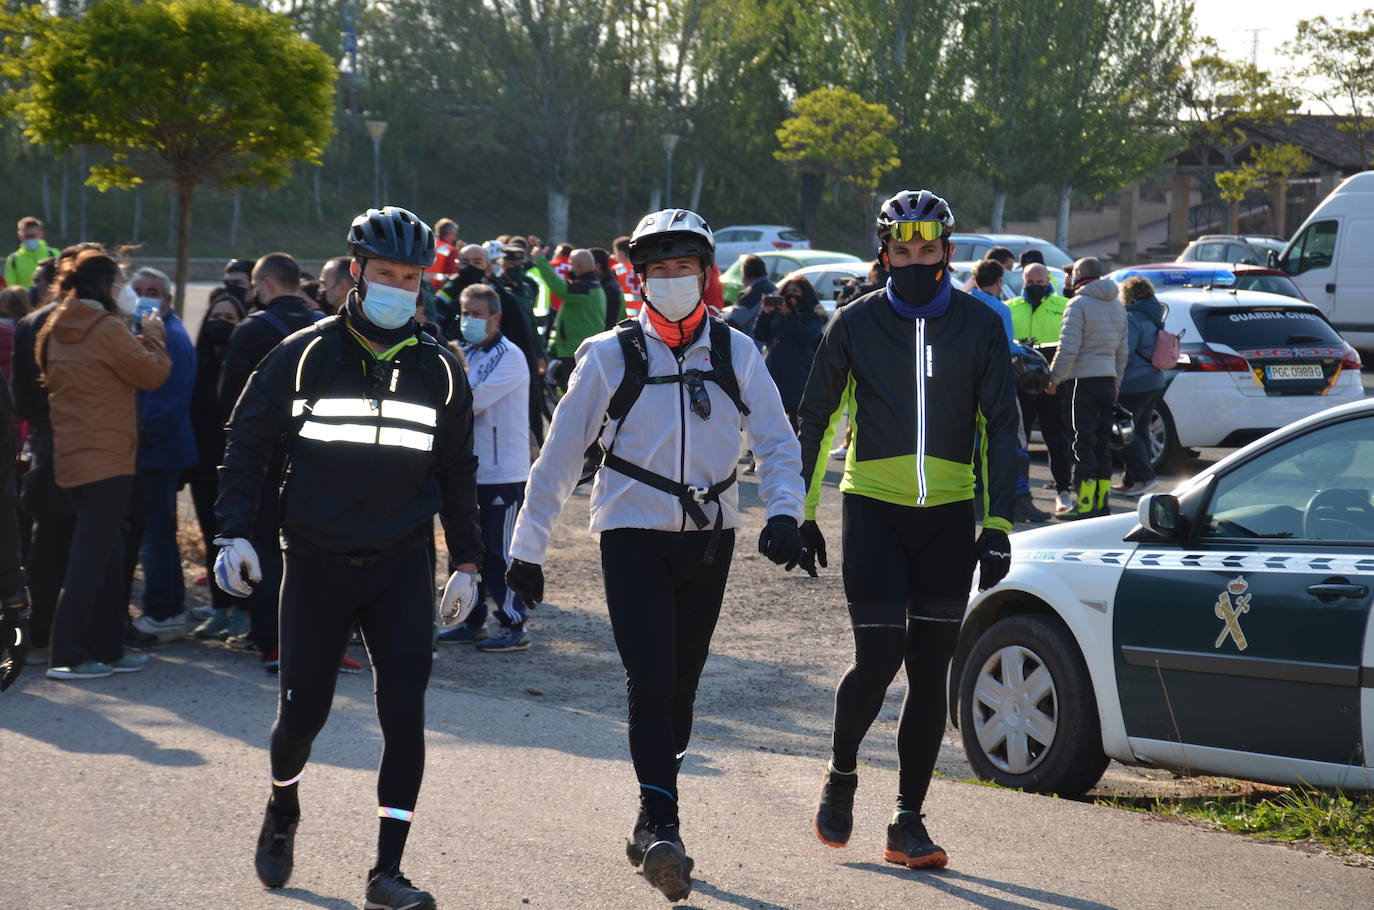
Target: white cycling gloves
(460, 596)
(236, 559)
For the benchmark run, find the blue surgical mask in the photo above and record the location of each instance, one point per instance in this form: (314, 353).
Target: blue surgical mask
(31, 243)
(388, 307)
(474, 329)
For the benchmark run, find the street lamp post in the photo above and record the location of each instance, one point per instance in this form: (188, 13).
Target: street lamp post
(376, 129)
(669, 141)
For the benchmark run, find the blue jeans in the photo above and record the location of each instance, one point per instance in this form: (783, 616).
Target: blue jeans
(164, 588)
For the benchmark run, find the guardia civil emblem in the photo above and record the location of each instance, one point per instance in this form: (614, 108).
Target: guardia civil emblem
(1229, 606)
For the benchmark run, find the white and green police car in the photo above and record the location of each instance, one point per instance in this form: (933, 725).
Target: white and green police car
(1222, 630)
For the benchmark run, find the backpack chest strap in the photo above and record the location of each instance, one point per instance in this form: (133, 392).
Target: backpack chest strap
(692, 498)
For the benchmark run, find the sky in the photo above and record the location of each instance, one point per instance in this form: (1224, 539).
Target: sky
(1231, 23)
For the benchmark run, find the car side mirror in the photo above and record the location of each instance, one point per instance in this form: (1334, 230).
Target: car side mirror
(1159, 514)
(1273, 260)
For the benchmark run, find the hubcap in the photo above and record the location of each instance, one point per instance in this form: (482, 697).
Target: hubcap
(1159, 435)
(1015, 709)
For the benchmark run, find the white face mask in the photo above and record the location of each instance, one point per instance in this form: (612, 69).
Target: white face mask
(674, 298)
(127, 299)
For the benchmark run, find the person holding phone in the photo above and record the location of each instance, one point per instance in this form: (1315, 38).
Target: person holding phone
(789, 328)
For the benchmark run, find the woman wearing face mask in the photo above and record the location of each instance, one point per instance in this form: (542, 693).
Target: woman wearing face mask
(225, 313)
(790, 326)
(92, 366)
(664, 502)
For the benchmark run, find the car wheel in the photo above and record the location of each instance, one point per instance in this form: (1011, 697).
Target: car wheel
(1027, 710)
(1165, 452)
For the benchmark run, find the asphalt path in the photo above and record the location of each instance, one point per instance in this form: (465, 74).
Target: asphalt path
(146, 791)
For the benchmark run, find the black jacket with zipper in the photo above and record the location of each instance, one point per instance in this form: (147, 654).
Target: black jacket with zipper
(375, 448)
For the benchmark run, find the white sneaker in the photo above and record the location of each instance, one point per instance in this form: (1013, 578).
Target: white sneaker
(164, 629)
(1140, 489)
(841, 452)
(1063, 502)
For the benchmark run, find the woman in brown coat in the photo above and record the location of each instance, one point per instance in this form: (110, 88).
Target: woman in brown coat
(93, 366)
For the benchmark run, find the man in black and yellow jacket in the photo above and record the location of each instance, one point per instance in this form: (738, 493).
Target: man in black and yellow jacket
(922, 369)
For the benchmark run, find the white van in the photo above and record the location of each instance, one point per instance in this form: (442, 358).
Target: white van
(1331, 258)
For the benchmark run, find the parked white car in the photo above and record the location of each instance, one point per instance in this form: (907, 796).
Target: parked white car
(1223, 629)
(1252, 362)
(829, 279)
(736, 240)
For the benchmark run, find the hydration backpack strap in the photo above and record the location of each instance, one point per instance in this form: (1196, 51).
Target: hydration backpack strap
(273, 320)
(722, 366)
(636, 356)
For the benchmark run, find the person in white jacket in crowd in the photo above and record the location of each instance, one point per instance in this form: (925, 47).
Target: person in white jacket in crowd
(670, 396)
(500, 381)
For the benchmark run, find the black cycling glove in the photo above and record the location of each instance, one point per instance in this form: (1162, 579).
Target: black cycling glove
(527, 580)
(994, 557)
(813, 548)
(780, 541)
(14, 637)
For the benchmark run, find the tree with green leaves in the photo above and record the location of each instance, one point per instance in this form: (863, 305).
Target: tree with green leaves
(193, 92)
(835, 133)
(1339, 60)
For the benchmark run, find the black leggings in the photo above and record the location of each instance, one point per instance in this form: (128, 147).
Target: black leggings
(907, 573)
(393, 601)
(664, 603)
(204, 487)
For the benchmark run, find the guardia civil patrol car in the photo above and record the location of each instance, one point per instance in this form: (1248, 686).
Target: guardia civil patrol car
(1224, 629)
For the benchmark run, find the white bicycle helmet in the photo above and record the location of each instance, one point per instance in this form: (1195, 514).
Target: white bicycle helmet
(669, 234)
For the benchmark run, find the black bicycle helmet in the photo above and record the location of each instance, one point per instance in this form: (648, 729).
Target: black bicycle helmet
(1123, 428)
(391, 233)
(669, 234)
(914, 206)
(1031, 369)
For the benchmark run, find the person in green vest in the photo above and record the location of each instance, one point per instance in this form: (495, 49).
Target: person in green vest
(1036, 317)
(33, 249)
(583, 313)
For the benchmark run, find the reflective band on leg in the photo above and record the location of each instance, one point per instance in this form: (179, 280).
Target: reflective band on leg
(403, 815)
(644, 786)
(287, 783)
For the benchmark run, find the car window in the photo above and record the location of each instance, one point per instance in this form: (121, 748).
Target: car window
(1313, 248)
(1318, 486)
(971, 253)
(779, 266)
(1264, 327)
(1240, 252)
(1270, 284)
(1210, 252)
(727, 236)
(793, 236)
(747, 236)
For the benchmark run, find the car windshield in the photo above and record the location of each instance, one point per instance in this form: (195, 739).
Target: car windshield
(1260, 327)
(1318, 486)
(1054, 256)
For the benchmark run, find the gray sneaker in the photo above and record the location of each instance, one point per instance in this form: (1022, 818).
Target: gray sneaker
(1140, 489)
(131, 662)
(163, 630)
(91, 669)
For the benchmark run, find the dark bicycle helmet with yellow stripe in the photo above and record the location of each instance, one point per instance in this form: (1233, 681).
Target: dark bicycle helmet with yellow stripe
(914, 213)
(391, 233)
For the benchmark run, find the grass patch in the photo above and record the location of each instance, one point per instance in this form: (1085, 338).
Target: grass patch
(1330, 819)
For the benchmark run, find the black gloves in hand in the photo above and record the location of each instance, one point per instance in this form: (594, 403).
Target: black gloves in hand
(994, 557)
(527, 580)
(781, 542)
(14, 637)
(813, 548)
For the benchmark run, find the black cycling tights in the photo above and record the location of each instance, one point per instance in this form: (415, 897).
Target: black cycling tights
(393, 601)
(664, 603)
(907, 573)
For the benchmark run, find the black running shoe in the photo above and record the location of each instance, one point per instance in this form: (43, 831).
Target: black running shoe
(276, 848)
(639, 841)
(909, 845)
(835, 815)
(666, 864)
(388, 889)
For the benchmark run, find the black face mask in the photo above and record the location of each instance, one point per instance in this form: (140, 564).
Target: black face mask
(470, 274)
(1036, 292)
(218, 331)
(916, 284)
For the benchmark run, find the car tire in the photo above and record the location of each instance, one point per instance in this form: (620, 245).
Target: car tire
(1002, 731)
(1166, 454)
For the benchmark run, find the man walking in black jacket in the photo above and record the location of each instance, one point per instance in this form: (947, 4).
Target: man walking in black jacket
(377, 420)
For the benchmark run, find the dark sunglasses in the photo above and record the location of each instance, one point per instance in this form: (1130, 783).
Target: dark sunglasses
(696, 391)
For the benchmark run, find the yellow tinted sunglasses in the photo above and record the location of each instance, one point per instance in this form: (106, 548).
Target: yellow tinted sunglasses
(902, 231)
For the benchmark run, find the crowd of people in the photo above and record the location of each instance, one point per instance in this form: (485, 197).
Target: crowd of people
(421, 362)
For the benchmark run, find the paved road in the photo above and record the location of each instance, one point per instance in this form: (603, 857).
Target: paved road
(146, 791)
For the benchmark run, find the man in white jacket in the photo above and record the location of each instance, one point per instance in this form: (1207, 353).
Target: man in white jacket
(670, 397)
(500, 380)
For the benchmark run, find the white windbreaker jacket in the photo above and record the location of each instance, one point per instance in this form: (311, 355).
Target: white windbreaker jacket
(500, 380)
(661, 434)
